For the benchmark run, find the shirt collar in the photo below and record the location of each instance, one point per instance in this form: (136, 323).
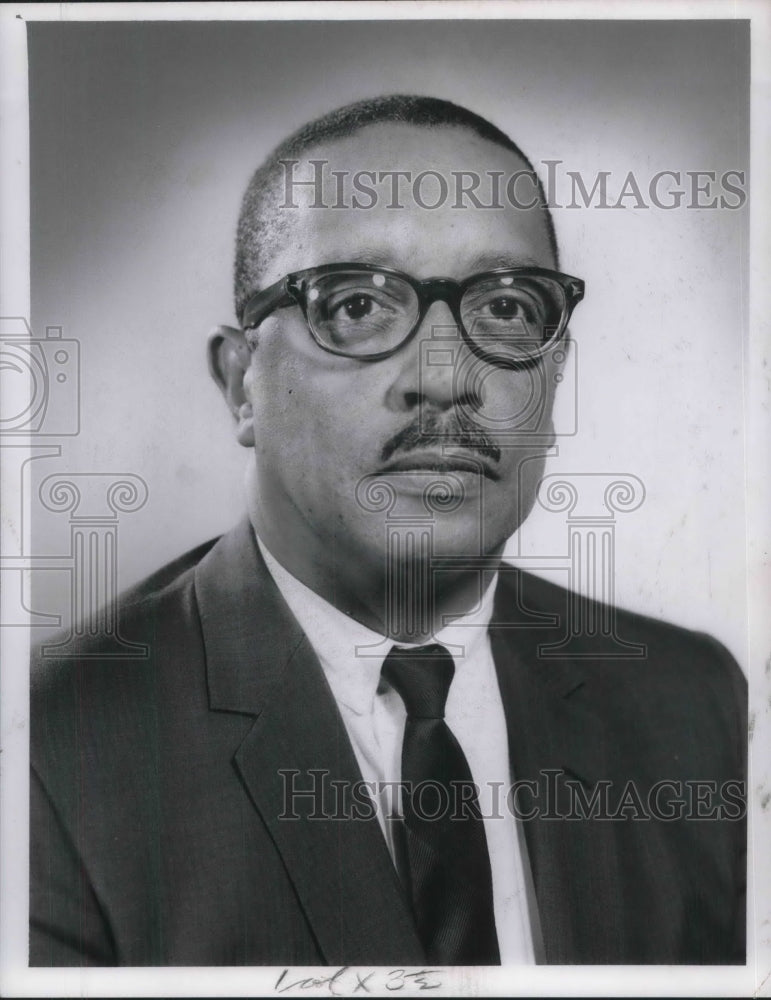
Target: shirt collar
(337, 638)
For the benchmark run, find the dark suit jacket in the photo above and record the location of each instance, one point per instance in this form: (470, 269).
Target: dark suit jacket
(156, 792)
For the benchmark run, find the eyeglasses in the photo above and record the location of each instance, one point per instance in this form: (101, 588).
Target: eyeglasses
(510, 317)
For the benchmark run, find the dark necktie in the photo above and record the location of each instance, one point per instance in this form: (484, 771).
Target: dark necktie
(449, 876)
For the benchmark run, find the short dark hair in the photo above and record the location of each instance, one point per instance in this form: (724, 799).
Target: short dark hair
(258, 228)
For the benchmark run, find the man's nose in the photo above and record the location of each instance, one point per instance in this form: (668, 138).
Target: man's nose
(431, 367)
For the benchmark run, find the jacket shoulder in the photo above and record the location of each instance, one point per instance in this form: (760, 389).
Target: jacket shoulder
(169, 577)
(163, 604)
(545, 598)
(664, 662)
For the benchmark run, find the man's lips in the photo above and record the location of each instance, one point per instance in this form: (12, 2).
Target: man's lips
(428, 460)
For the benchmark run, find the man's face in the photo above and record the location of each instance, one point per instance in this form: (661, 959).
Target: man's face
(326, 427)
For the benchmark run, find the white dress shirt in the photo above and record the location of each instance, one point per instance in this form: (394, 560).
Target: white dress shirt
(373, 713)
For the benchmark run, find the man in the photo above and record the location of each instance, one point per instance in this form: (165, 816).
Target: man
(307, 767)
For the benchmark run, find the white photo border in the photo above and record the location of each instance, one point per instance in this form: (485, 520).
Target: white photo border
(16, 979)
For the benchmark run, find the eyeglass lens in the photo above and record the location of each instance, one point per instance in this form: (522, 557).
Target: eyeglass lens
(363, 313)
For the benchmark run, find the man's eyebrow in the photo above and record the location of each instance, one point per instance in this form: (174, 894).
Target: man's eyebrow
(489, 261)
(369, 255)
(481, 262)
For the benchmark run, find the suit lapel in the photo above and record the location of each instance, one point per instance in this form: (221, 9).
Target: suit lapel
(574, 862)
(260, 663)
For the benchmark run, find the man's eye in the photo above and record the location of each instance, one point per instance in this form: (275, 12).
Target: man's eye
(505, 307)
(355, 307)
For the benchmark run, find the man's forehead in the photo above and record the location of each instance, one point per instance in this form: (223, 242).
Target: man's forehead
(408, 197)
(402, 146)
(484, 260)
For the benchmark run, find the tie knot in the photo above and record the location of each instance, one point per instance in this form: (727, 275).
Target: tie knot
(422, 676)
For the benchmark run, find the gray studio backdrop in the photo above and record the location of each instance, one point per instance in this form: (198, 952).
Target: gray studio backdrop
(143, 136)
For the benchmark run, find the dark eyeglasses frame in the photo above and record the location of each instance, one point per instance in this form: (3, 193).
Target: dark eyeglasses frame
(292, 289)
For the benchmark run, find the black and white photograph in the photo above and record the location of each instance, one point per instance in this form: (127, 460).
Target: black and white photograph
(385, 489)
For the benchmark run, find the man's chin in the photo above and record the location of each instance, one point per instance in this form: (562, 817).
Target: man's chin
(425, 514)
(440, 488)
(425, 490)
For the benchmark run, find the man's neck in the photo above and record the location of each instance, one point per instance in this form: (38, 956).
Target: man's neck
(406, 600)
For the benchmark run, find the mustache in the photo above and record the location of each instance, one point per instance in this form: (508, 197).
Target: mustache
(430, 430)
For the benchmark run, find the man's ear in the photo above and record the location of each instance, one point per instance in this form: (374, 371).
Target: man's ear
(229, 359)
